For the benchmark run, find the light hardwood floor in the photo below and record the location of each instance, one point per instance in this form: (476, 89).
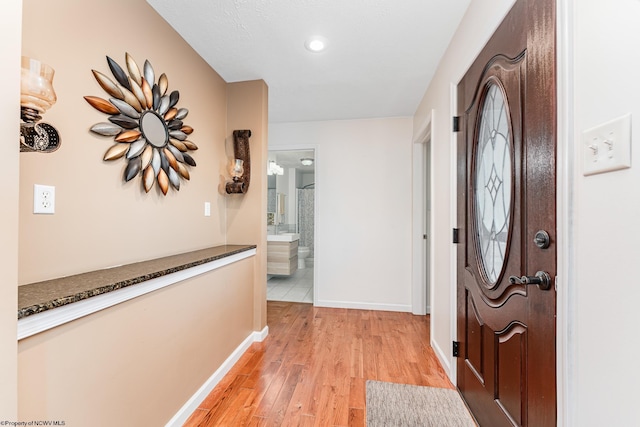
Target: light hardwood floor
(312, 368)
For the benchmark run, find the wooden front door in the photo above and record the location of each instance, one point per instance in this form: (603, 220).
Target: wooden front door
(506, 299)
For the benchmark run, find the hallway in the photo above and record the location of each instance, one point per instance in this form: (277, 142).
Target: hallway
(313, 366)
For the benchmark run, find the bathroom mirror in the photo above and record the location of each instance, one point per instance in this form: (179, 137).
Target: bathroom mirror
(288, 177)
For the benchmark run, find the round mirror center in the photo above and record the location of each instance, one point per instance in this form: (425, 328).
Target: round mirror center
(154, 129)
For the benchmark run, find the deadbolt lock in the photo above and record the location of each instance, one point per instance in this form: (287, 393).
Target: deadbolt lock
(542, 239)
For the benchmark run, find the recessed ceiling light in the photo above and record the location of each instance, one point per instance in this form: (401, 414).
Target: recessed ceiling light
(316, 44)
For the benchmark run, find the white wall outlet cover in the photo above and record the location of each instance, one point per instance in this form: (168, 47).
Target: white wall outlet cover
(44, 199)
(607, 147)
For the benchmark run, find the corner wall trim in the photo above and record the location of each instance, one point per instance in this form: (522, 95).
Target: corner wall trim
(192, 404)
(262, 335)
(49, 319)
(444, 359)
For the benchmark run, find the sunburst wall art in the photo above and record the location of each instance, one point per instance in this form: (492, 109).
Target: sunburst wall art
(146, 125)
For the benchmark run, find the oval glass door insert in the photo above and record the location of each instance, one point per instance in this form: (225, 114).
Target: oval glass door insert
(492, 191)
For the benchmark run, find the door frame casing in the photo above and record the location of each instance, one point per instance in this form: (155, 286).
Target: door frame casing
(566, 158)
(316, 219)
(421, 275)
(453, 143)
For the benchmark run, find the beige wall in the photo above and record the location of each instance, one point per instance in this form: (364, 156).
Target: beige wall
(136, 363)
(10, 23)
(247, 108)
(100, 220)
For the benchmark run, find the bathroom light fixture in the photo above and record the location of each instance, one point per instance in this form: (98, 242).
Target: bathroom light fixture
(316, 44)
(274, 169)
(306, 161)
(36, 97)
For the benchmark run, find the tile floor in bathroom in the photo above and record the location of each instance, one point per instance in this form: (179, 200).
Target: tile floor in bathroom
(295, 288)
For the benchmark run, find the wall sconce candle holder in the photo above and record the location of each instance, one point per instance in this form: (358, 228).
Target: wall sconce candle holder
(241, 171)
(36, 97)
(237, 169)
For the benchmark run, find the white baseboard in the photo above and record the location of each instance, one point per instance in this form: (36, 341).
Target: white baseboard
(192, 404)
(363, 305)
(442, 357)
(260, 336)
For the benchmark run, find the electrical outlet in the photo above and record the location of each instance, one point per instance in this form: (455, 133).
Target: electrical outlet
(207, 208)
(44, 199)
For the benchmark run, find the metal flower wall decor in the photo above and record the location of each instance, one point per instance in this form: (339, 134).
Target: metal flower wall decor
(147, 128)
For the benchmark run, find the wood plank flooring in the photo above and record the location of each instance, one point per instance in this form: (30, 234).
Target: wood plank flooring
(312, 368)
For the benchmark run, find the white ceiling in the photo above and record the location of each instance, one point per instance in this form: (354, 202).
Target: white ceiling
(380, 57)
(291, 158)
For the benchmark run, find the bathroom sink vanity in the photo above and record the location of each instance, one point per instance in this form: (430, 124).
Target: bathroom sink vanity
(282, 253)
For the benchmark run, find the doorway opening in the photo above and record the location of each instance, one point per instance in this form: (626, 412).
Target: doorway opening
(291, 225)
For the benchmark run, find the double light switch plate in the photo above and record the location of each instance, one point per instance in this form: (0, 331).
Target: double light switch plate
(607, 147)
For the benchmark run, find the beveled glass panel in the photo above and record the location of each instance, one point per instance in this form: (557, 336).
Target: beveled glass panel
(492, 191)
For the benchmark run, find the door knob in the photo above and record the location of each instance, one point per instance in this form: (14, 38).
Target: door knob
(542, 279)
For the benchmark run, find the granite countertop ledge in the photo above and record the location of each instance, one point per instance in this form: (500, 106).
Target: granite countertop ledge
(42, 296)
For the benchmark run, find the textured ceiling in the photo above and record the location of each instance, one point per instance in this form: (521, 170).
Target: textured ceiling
(380, 57)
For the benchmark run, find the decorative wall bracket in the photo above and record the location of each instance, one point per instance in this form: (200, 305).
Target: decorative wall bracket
(240, 184)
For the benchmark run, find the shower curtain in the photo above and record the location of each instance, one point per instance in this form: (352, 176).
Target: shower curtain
(305, 216)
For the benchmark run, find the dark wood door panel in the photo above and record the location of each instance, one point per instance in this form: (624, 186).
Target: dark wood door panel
(506, 193)
(511, 378)
(500, 406)
(513, 304)
(500, 386)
